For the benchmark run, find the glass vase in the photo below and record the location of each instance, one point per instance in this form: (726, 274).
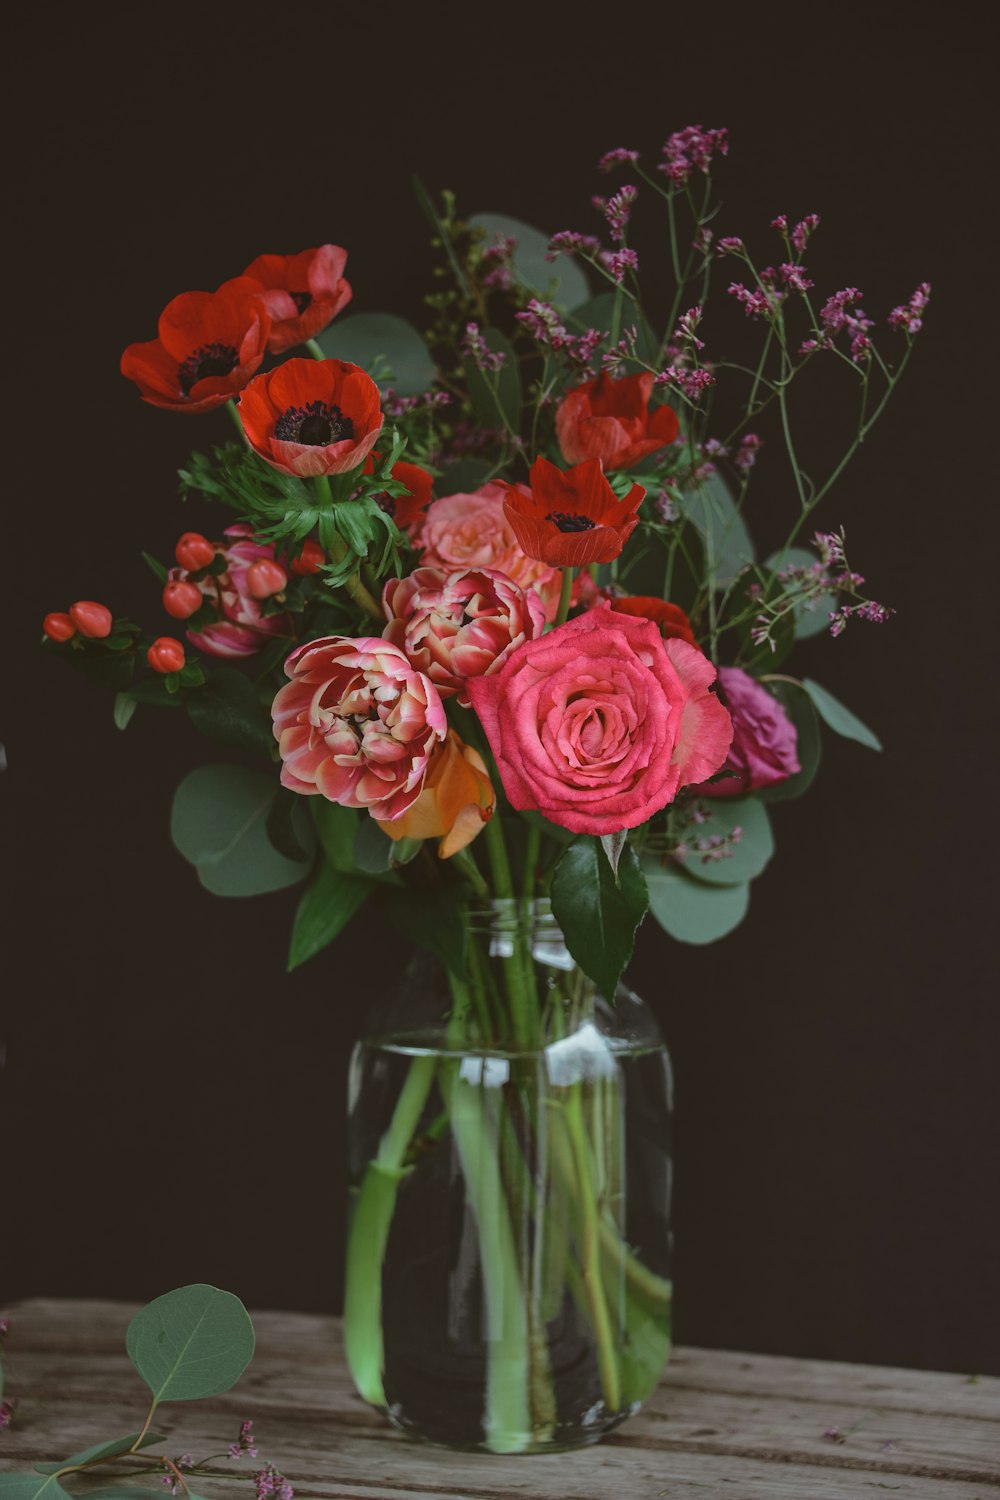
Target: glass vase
(507, 1283)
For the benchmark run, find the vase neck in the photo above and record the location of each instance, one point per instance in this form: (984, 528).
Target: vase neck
(508, 923)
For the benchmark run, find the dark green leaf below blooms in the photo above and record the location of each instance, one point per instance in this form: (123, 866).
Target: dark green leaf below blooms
(599, 915)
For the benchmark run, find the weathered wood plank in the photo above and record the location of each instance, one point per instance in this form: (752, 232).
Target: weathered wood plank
(740, 1425)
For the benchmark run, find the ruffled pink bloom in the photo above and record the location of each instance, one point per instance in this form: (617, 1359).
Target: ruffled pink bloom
(765, 742)
(598, 724)
(243, 630)
(357, 724)
(454, 626)
(472, 531)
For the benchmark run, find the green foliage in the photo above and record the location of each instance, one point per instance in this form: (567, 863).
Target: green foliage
(191, 1343)
(712, 509)
(337, 828)
(125, 706)
(431, 917)
(559, 281)
(289, 826)
(599, 313)
(128, 1444)
(839, 718)
(693, 911)
(327, 905)
(31, 1487)
(799, 707)
(374, 851)
(385, 344)
(598, 912)
(811, 619)
(227, 709)
(219, 823)
(467, 475)
(496, 395)
(748, 857)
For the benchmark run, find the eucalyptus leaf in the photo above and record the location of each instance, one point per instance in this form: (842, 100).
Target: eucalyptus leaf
(31, 1487)
(327, 905)
(337, 828)
(366, 338)
(289, 826)
(598, 913)
(373, 850)
(712, 509)
(227, 708)
(103, 1450)
(560, 281)
(812, 619)
(599, 313)
(808, 743)
(748, 857)
(692, 911)
(839, 718)
(219, 823)
(465, 476)
(192, 1342)
(496, 395)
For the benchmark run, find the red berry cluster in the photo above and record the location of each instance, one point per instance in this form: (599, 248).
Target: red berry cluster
(90, 619)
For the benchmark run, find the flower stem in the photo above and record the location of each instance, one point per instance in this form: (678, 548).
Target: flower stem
(314, 349)
(337, 550)
(565, 594)
(234, 417)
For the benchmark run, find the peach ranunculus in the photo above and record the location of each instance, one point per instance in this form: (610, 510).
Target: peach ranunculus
(471, 531)
(598, 724)
(458, 625)
(358, 724)
(456, 801)
(242, 629)
(610, 420)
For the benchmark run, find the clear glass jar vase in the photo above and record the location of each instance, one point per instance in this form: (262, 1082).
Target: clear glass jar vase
(507, 1282)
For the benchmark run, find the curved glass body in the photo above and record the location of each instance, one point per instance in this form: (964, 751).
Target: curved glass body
(508, 1257)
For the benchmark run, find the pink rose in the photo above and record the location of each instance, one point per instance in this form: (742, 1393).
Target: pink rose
(459, 625)
(243, 630)
(599, 723)
(358, 724)
(471, 531)
(765, 742)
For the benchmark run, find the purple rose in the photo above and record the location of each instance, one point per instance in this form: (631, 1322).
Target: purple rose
(763, 751)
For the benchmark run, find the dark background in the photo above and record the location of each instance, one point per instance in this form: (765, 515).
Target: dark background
(172, 1102)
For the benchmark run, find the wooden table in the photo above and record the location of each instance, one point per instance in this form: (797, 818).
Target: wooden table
(732, 1426)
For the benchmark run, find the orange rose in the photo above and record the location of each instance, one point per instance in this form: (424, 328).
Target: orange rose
(456, 800)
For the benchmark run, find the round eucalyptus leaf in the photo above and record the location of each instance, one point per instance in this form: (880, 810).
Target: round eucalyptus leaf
(839, 717)
(560, 281)
(712, 509)
(219, 823)
(385, 343)
(110, 1449)
(691, 910)
(31, 1487)
(599, 313)
(190, 1343)
(808, 742)
(811, 619)
(747, 858)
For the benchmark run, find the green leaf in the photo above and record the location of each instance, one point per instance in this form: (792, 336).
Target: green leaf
(227, 708)
(193, 1342)
(156, 567)
(599, 313)
(431, 917)
(465, 476)
(496, 395)
(102, 1450)
(599, 915)
(367, 338)
(373, 850)
(289, 826)
(799, 707)
(839, 718)
(560, 281)
(337, 828)
(219, 823)
(711, 508)
(125, 707)
(31, 1487)
(692, 911)
(812, 620)
(748, 857)
(151, 690)
(128, 1492)
(327, 905)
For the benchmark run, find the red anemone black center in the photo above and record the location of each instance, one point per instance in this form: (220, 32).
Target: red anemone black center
(570, 523)
(209, 360)
(316, 425)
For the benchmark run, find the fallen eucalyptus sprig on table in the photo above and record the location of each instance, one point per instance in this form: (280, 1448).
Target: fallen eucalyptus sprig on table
(188, 1344)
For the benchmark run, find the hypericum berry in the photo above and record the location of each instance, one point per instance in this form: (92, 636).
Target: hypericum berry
(181, 599)
(194, 551)
(91, 619)
(165, 655)
(265, 578)
(59, 627)
(310, 559)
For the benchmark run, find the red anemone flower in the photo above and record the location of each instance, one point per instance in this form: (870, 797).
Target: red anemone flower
(572, 517)
(208, 347)
(405, 510)
(610, 420)
(673, 622)
(312, 416)
(303, 293)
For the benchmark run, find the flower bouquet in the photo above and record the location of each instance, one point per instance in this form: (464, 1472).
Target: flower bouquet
(488, 630)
